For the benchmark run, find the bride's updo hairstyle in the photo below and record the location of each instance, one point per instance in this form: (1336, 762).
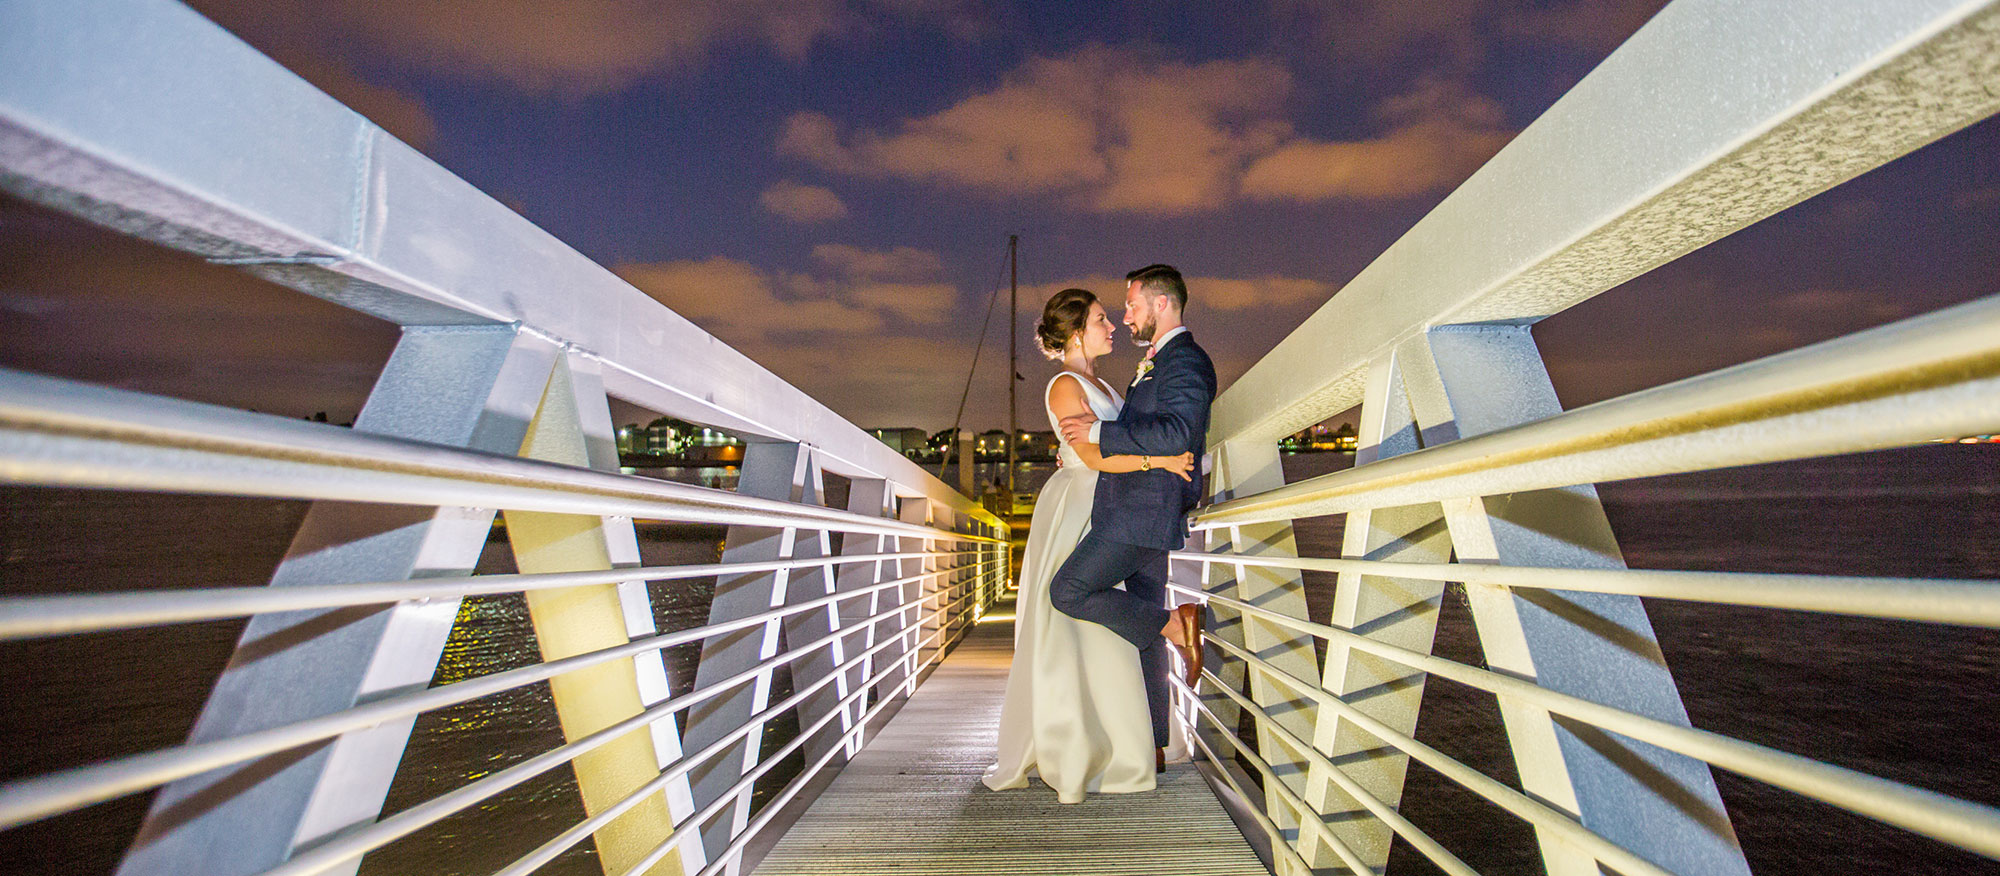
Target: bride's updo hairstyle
(1062, 318)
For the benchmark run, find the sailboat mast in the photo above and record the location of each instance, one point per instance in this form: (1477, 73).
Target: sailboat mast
(1013, 361)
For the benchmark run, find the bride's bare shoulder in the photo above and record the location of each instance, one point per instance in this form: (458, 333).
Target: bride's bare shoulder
(1066, 397)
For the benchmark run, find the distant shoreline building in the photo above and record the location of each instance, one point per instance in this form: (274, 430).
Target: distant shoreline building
(680, 441)
(909, 441)
(1320, 439)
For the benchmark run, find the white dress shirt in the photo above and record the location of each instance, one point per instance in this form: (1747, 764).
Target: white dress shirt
(1157, 343)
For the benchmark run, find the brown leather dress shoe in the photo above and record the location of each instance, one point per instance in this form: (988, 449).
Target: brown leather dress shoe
(1191, 617)
(1159, 760)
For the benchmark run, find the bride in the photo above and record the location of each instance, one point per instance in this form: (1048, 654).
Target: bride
(1075, 712)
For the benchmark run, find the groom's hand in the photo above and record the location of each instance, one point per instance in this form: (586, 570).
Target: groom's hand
(1077, 428)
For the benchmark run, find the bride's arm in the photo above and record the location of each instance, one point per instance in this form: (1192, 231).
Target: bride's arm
(1066, 400)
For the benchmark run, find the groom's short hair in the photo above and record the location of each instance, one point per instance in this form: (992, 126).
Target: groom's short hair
(1161, 280)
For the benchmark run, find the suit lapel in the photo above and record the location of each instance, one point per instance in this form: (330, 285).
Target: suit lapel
(1157, 355)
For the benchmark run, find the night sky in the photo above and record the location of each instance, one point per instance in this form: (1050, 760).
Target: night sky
(828, 186)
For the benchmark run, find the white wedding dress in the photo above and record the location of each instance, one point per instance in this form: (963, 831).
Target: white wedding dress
(1075, 712)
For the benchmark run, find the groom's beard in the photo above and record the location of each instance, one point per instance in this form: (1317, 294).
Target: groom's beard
(1142, 335)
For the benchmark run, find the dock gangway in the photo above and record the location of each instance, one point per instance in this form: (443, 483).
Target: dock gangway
(143, 117)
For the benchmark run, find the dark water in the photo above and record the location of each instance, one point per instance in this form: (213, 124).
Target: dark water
(1912, 702)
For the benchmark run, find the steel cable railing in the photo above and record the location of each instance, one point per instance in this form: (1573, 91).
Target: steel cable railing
(1962, 823)
(1902, 384)
(1962, 602)
(1412, 834)
(1273, 834)
(1402, 826)
(387, 830)
(33, 799)
(1561, 825)
(1711, 118)
(777, 804)
(37, 616)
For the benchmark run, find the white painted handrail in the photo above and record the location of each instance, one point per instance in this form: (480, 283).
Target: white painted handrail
(1968, 825)
(1714, 116)
(142, 116)
(1973, 603)
(32, 799)
(1918, 380)
(57, 432)
(310, 194)
(459, 799)
(1560, 824)
(33, 616)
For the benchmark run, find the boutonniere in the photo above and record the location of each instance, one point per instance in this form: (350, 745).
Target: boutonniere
(1145, 365)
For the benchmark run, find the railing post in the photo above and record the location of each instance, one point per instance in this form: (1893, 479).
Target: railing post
(573, 427)
(785, 472)
(933, 628)
(464, 387)
(915, 622)
(1243, 468)
(1660, 805)
(964, 582)
(871, 496)
(992, 569)
(1399, 611)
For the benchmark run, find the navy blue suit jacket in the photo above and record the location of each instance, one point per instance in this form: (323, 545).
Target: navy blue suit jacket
(1166, 413)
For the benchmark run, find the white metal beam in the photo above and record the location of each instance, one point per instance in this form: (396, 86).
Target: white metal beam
(470, 387)
(1660, 805)
(1714, 115)
(142, 116)
(1399, 610)
(1930, 377)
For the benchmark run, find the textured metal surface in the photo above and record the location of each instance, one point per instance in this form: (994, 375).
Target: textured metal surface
(1714, 115)
(945, 823)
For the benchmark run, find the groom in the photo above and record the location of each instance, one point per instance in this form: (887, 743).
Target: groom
(1137, 517)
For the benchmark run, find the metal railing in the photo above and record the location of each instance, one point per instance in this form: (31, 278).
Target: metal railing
(495, 400)
(1712, 117)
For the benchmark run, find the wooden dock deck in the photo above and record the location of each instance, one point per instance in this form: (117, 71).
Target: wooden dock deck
(912, 803)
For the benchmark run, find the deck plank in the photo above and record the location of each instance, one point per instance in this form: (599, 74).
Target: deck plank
(912, 803)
